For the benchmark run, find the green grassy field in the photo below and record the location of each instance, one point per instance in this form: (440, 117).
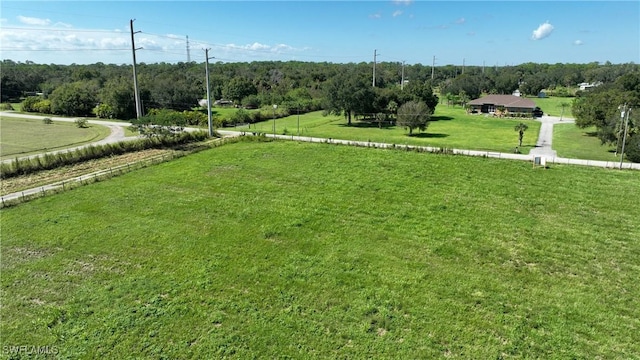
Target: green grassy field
(297, 250)
(572, 142)
(452, 128)
(553, 105)
(21, 137)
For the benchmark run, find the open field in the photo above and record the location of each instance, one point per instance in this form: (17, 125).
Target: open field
(572, 142)
(553, 105)
(296, 250)
(21, 137)
(452, 128)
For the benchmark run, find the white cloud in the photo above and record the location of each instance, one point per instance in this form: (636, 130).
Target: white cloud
(33, 21)
(578, 42)
(542, 31)
(460, 21)
(397, 13)
(403, 2)
(375, 16)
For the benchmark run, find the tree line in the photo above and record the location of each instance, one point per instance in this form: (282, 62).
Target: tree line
(106, 90)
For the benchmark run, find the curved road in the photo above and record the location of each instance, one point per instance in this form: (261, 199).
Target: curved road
(117, 131)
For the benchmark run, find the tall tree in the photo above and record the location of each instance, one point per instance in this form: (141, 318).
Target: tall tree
(601, 107)
(75, 99)
(345, 92)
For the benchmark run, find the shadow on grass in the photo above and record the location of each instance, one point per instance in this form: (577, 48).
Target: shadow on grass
(369, 125)
(591, 133)
(440, 118)
(428, 135)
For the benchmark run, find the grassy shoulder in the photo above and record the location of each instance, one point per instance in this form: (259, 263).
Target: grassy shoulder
(22, 136)
(288, 249)
(569, 141)
(451, 127)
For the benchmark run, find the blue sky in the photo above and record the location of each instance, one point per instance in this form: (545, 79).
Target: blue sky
(473, 32)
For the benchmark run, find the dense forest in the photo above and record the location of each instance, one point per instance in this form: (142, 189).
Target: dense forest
(106, 90)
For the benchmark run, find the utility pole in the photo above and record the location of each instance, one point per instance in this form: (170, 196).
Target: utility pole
(625, 111)
(374, 67)
(462, 66)
(402, 83)
(188, 51)
(135, 74)
(433, 67)
(210, 121)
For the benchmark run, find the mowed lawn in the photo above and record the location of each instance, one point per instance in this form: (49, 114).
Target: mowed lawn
(22, 136)
(569, 141)
(297, 250)
(552, 106)
(451, 128)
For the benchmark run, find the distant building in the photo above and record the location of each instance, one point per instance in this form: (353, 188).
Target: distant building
(516, 93)
(511, 103)
(586, 86)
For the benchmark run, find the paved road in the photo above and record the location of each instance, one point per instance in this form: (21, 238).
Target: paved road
(116, 135)
(545, 137)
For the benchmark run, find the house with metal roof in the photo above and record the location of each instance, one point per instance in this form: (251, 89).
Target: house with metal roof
(513, 104)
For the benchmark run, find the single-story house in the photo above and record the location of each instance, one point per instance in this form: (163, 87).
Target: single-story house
(513, 104)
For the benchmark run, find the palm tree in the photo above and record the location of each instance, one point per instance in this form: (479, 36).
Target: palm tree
(563, 105)
(521, 128)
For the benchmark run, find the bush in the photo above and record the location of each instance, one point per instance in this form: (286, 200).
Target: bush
(241, 116)
(47, 121)
(5, 107)
(29, 103)
(104, 111)
(43, 107)
(632, 150)
(82, 123)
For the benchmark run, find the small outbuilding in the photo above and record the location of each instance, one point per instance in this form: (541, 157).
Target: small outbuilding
(512, 104)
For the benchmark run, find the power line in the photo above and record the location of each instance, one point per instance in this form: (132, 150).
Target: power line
(63, 29)
(83, 49)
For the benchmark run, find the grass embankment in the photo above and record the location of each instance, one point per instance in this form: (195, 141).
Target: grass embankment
(303, 250)
(451, 128)
(21, 136)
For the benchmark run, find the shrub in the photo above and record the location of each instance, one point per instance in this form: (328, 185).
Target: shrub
(6, 106)
(82, 123)
(47, 121)
(43, 106)
(28, 104)
(241, 117)
(104, 111)
(632, 150)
